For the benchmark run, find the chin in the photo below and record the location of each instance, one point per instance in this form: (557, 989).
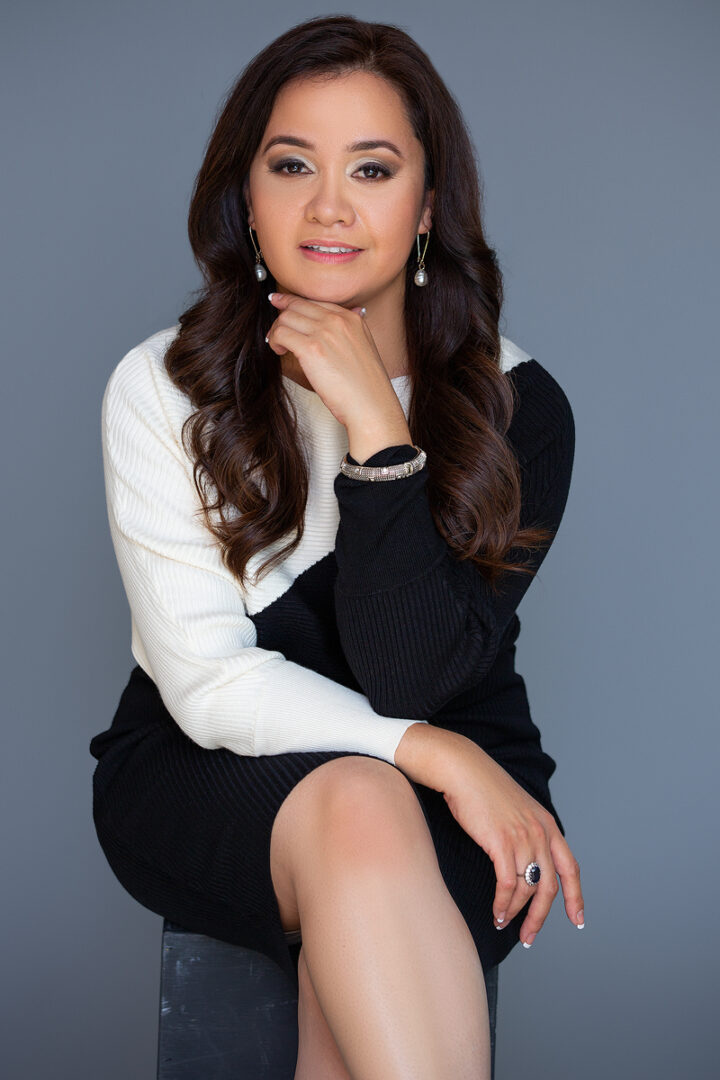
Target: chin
(329, 296)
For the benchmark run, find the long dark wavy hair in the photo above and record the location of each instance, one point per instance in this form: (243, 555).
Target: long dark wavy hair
(249, 466)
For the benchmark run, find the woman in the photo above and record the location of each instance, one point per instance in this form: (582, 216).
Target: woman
(324, 737)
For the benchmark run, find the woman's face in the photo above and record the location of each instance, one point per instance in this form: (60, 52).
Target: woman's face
(326, 191)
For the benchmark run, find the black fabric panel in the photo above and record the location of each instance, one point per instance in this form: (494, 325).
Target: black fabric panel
(187, 831)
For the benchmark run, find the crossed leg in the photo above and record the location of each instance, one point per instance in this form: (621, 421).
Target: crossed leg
(397, 986)
(318, 1055)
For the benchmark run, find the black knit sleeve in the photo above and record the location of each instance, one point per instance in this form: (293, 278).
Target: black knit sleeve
(418, 625)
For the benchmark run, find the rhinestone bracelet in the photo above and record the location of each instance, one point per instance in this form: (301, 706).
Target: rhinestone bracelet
(384, 472)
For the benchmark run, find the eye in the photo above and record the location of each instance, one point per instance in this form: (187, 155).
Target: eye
(384, 171)
(290, 163)
(281, 165)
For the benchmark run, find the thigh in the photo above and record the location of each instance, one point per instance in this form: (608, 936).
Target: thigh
(187, 830)
(346, 804)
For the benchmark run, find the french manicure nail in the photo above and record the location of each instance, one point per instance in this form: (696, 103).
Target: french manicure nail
(527, 944)
(270, 295)
(501, 917)
(580, 915)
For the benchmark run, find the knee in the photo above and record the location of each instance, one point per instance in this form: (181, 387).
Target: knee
(369, 815)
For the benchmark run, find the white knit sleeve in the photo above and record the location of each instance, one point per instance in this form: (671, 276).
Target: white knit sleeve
(218, 685)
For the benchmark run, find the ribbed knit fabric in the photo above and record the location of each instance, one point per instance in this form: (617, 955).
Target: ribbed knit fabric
(194, 630)
(370, 625)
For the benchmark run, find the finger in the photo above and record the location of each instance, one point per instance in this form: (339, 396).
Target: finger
(285, 338)
(522, 892)
(545, 892)
(285, 301)
(276, 348)
(292, 316)
(292, 338)
(293, 320)
(297, 305)
(569, 871)
(504, 862)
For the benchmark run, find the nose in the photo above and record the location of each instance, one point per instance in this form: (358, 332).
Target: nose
(330, 200)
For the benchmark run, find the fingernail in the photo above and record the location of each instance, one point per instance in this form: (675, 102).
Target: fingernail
(528, 943)
(270, 295)
(501, 917)
(581, 916)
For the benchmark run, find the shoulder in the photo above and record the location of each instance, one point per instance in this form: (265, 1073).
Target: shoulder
(139, 393)
(141, 372)
(543, 414)
(511, 354)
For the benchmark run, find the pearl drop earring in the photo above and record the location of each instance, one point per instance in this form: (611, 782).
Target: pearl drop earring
(421, 277)
(260, 271)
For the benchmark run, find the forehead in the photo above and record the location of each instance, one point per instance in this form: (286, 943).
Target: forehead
(332, 111)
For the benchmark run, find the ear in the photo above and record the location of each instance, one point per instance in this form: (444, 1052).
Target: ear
(426, 218)
(248, 203)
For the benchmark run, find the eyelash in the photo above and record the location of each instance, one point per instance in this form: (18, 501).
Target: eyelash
(386, 173)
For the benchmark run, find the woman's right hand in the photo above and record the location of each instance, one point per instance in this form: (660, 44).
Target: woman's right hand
(507, 822)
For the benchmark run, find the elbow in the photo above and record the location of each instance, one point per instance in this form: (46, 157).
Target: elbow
(198, 732)
(420, 696)
(418, 705)
(190, 713)
(208, 724)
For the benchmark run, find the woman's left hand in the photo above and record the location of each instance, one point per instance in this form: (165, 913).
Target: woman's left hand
(338, 355)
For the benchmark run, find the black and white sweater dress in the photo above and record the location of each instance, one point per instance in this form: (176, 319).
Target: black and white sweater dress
(370, 625)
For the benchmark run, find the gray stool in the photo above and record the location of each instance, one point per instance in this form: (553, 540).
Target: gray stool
(229, 1012)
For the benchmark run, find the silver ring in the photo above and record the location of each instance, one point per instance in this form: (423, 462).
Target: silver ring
(531, 874)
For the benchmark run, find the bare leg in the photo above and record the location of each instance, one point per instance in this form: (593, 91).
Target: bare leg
(318, 1054)
(389, 956)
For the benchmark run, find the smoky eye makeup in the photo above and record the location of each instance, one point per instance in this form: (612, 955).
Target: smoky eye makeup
(288, 166)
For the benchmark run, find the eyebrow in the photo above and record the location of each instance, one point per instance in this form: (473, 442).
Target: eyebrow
(365, 144)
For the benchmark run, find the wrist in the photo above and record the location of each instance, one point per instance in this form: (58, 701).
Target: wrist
(365, 440)
(424, 754)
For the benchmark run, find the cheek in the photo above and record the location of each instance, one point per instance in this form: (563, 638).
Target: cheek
(272, 205)
(396, 235)
(398, 220)
(276, 223)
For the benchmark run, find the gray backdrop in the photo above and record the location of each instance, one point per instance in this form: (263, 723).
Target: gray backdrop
(595, 126)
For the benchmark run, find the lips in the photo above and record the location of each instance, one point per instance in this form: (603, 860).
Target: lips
(328, 243)
(331, 258)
